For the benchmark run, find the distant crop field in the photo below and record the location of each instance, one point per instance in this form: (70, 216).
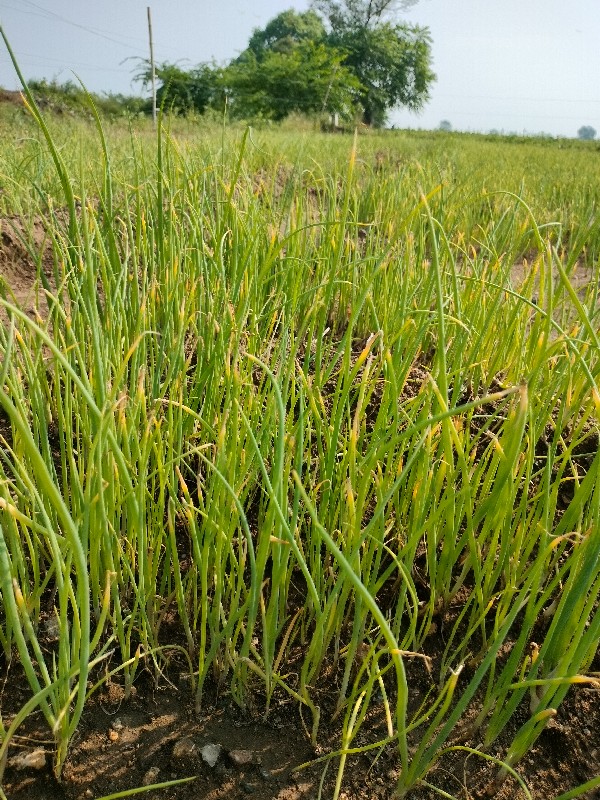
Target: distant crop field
(298, 437)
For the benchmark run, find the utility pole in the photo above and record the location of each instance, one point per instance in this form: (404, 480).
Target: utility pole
(152, 67)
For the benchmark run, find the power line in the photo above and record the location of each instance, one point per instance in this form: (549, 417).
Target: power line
(46, 14)
(502, 114)
(95, 30)
(49, 61)
(516, 99)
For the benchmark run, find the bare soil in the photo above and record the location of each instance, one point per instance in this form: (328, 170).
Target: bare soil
(155, 736)
(20, 272)
(13, 98)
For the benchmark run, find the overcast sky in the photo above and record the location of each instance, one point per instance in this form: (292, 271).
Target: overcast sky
(512, 65)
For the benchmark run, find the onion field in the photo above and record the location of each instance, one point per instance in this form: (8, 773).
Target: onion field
(311, 418)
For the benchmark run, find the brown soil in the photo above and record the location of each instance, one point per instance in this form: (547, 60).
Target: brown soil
(155, 736)
(18, 270)
(122, 743)
(7, 96)
(581, 277)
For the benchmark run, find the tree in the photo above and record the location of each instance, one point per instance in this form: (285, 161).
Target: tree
(586, 132)
(289, 66)
(308, 78)
(357, 14)
(182, 90)
(391, 61)
(285, 31)
(445, 125)
(392, 64)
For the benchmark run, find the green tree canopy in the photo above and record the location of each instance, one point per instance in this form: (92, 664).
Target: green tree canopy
(392, 65)
(285, 31)
(308, 78)
(183, 90)
(349, 15)
(586, 132)
(392, 61)
(343, 56)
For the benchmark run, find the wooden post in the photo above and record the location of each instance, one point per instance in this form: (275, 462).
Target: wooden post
(152, 67)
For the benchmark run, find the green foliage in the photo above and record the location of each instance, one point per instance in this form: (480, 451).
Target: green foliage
(384, 64)
(295, 65)
(285, 31)
(586, 132)
(309, 77)
(347, 348)
(183, 90)
(391, 61)
(72, 97)
(349, 15)
(392, 64)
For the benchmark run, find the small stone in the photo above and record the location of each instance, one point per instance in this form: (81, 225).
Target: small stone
(113, 735)
(265, 774)
(89, 793)
(184, 681)
(247, 787)
(150, 776)
(183, 749)
(117, 724)
(51, 629)
(210, 754)
(241, 758)
(31, 759)
(221, 771)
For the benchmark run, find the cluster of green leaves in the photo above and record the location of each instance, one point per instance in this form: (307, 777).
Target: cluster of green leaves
(70, 96)
(392, 64)
(280, 365)
(182, 91)
(356, 64)
(587, 133)
(308, 79)
(391, 61)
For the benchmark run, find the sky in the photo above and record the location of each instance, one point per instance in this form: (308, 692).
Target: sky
(523, 66)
